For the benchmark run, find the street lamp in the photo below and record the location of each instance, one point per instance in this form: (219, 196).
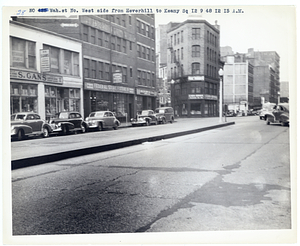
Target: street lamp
(221, 95)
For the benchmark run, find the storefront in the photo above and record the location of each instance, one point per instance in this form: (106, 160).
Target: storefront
(45, 72)
(116, 98)
(42, 94)
(195, 97)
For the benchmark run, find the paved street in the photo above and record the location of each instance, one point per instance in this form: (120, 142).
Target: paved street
(231, 178)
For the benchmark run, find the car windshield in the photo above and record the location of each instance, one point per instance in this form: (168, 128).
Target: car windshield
(159, 111)
(63, 115)
(144, 112)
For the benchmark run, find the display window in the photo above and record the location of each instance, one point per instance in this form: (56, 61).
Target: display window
(23, 98)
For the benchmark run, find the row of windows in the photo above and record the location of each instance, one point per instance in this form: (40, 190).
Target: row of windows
(211, 54)
(23, 55)
(145, 53)
(101, 38)
(146, 78)
(145, 29)
(197, 88)
(101, 70)
(210, 70)
(212, 39)
(117, 19)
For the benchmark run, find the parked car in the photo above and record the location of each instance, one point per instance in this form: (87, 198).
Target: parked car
(280, 114)
(28, 124)
(102, 119)
(146, 118)
(230, 113)
(66, 122)
(164, 115)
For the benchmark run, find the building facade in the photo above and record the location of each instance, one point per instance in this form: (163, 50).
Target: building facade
(193, 65)
(119, 72)
(45, 71)
(266, 85)
(238, 84)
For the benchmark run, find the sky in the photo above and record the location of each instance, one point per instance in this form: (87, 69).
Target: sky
(263, 28)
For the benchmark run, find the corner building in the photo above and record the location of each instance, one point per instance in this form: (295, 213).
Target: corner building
(118, 59)
(193, 65)
(45, 71)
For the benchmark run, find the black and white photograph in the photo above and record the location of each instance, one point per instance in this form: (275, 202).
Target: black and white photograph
(149, 124)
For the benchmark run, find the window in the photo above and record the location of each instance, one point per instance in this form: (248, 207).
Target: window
(86, 67)
(124, 45)
(119, 44)
(195, 33)
(113, 42)
(181, 53)
(147, 31)
(181, 36)
(85, 31)
(54, 59)
(148, 54)
(196, 51)
(130, 72)
(107, 73)
(174, 39)
(106, 40)
(23, 53)
(138, 23)
(129, 19)
(195, 68)
(139, 50)
(93, 35)
(93, 75)
(100, 38)
(124, 75)
(100, 70)
(67, 62)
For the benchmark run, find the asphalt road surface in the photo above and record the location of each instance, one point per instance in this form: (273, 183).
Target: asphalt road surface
(231, 178)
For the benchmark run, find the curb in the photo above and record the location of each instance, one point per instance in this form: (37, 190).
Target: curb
(31, 161)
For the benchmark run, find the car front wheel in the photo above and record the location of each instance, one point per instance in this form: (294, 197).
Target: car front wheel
(20, 135)
(45, 132)
(100, 128)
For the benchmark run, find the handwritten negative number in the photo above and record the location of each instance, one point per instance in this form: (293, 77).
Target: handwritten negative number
(21, 12)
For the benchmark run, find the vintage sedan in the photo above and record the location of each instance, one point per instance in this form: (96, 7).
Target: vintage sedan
(28, 124)
(66, 122)
(102, 119)
(145, 118)
(280, 114)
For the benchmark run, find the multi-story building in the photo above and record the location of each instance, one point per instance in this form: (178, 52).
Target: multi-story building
(238, 83)
(118, 59)
(45, 71)
(262, 69)
(266, 84)
(193, 65)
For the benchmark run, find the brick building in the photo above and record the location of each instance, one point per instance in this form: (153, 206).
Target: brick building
(118, 59)
(193, 65)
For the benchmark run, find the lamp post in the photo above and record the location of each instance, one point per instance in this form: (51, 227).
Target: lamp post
(221, 95)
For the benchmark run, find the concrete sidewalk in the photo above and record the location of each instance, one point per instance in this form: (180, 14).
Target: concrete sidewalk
(33, 152)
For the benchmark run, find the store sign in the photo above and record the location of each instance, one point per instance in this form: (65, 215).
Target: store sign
(31, 76)
(117, 77)
(108, 88)
(45, 61)
(202, 96)
(192, 78)
(146, 92)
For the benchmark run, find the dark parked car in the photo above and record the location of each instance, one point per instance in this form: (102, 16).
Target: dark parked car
(280, 114)
(230, 113)
(164, 115)
(28, 124)
(66, 122)
(145, 118)
(102, 119)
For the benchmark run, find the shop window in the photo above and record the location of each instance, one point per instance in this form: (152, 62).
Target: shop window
(196, 108)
